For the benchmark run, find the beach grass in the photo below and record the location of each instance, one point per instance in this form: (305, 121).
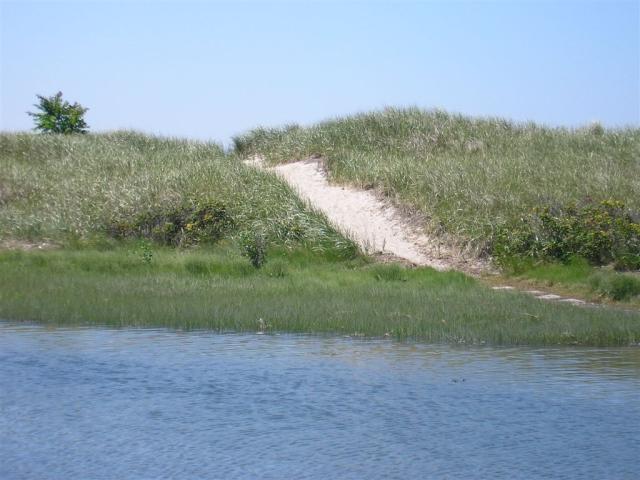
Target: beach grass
(74, 188)
(466, 177)
(69, 193)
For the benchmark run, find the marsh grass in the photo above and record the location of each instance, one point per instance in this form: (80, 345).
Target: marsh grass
(74, 188)
(467, 176)
(299, 291)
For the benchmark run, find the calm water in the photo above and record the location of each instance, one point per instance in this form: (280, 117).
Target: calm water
(138, 404)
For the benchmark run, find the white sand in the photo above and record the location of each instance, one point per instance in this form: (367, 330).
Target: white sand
(375, 225)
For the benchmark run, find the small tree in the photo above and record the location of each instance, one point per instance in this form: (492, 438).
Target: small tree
(59, 116)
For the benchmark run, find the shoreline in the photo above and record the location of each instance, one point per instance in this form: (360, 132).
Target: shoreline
(295, 292)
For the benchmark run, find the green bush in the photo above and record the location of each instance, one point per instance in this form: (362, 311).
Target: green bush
(602, 233)
(254, 246)
(189, 224)
(145, 252)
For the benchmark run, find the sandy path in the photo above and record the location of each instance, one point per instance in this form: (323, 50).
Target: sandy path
(375, 225)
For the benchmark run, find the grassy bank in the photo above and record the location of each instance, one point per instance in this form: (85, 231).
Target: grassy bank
(296, 291)
(83, 188)
(467, 176)
(156, 232)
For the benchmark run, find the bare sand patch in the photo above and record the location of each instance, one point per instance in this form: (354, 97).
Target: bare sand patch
(374, 224)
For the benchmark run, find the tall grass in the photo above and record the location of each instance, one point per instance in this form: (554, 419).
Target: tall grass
(65, 186)
(294, 292)
(71, 188)
(467, 176)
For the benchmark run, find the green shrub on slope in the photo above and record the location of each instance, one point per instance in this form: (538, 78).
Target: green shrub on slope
(601, 233)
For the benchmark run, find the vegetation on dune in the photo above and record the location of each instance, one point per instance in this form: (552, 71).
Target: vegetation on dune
(472, 179)
(125, 206)
(187, 224)
(605, 233)
(125, 184)
(296, 291)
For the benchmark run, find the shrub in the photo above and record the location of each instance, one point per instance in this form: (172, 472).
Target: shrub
(189, 224)
(601, 233)
(254, 246)
(59, 116)
(146, 253)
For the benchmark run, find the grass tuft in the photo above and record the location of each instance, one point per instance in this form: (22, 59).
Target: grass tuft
(616, 286)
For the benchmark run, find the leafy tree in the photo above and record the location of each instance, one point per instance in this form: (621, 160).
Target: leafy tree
(59, 116)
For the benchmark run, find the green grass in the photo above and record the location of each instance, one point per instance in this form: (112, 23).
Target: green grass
(466, 176)
(616, 286)
(575, 272)
(71, 188)
(296, 291)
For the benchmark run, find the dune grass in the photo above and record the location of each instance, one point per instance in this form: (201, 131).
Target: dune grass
(296, 291)
(70, 188)
(467, 176)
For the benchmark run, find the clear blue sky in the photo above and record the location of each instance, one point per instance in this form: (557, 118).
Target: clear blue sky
(213, 69)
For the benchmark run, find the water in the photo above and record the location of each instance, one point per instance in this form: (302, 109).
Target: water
(155, 404)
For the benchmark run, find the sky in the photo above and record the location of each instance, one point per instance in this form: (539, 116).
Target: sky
(211, 70)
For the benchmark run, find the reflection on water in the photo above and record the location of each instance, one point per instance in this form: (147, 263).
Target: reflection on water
(129, 404)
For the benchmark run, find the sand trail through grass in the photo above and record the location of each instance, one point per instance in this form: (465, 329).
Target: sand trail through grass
(376, 225)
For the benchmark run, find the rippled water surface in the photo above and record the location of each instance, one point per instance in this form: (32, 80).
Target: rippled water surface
(134, 404)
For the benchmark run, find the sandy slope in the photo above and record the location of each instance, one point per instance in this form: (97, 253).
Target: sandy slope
(377, 226)
(374, 224)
